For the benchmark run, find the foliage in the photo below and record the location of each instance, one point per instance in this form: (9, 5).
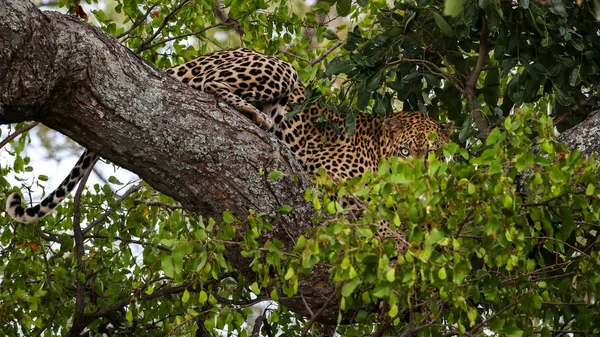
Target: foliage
(501, 240)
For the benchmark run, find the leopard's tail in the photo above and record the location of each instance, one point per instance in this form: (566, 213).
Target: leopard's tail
(16, 211)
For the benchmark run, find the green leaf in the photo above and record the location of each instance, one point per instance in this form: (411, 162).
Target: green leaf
(590, 189)
(129, 316)
(562, 96)
(338, 66)
(255, 289)
(289, 274)
(113, 180)
(186, 296)
(574, 77)
(442, 273)
(274, 175)
(343, 7)
(285, 209)
(330, 35)
(492, 137)
(167, 265)
(453, 8)
(374, 81)
(349, 287)
(228, 217)
(390, 275)
(444, 26)
(203, 297)
(491, 87)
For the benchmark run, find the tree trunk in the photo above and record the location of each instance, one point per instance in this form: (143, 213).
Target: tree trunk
(82, 83)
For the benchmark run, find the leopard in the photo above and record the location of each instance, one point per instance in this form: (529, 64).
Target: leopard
(258, 86)
(267, 89)
(330, 147)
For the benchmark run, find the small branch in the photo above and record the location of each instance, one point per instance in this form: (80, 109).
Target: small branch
(142, 48)
(570, 304)
(162, 26)
(434, 70)
(471, 83)
(159, 204)
(48, 273)
(547, 202)
(327, 52)
(226, 19)
(319, 312)
(106, 214)
(306, 306)
(559, 241)
(18, 132)
(496, 314)
(582, 103)
(79, 317)
(295, 56)
(136, 23)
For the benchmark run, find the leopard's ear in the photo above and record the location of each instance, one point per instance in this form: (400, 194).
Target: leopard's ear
(447, 128)
(392, 125)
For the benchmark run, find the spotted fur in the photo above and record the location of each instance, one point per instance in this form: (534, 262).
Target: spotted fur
(15, 209)
(317, 144)
(257, 85)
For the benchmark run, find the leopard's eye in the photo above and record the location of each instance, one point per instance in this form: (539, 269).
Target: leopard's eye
(405, 152)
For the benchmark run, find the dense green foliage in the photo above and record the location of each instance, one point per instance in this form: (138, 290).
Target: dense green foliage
(501, 240)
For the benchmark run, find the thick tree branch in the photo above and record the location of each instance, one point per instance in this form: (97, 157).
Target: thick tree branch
(80, 82)
(471, 83)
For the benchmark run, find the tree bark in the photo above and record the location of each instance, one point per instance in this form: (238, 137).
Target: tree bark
(82, 83)
(585, 136)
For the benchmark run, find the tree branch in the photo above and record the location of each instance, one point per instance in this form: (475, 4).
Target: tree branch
(471, 83)
(17, 133)
(78, 319)
(137, 22)
(162, 26)
(79, 82)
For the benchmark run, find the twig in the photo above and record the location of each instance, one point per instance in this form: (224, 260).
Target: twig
(311, 321)
(136, 23)
(162, 26)
(496, 314)
(327, 52)
(159, 204)
(471, 84)
(50, 320)
(306, 306)
(106, 214)
(547, 202)
(295, 56)
(559, 241)
(18, 132)
(225, 19)
(433, 69)
(79, 316)
(570, 304)
(140, 49)
(55, 238)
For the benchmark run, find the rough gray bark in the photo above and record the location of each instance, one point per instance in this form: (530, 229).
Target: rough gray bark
(80, 82)
(585, 136)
